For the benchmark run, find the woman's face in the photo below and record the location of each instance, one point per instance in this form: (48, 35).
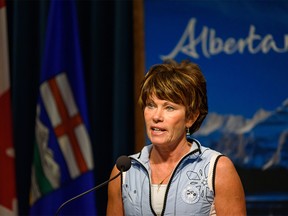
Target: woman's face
(166, 122)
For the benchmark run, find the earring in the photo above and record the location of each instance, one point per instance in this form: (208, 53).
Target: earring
(187, 131)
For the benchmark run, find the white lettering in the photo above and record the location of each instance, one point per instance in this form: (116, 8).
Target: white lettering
(211, 45)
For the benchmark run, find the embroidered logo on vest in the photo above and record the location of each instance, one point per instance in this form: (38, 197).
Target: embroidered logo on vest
(198, 186)
(190, 194)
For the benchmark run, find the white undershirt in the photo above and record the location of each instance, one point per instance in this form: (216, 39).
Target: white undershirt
(157, 197)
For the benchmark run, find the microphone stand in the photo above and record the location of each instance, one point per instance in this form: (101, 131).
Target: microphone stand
(88, 191)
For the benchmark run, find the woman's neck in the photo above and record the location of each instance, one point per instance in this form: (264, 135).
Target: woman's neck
(169, 154)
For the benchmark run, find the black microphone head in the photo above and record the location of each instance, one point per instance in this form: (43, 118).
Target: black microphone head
(123, 163)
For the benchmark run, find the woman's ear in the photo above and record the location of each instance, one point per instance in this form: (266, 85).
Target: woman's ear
(192, 118)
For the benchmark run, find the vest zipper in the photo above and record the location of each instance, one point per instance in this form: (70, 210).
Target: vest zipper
(170, 180)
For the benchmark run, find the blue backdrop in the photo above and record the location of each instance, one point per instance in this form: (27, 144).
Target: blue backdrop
(242, 49)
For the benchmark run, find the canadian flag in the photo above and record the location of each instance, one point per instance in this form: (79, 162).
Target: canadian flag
(8, 201)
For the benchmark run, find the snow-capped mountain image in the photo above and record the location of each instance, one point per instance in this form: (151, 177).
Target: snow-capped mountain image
(260, 142)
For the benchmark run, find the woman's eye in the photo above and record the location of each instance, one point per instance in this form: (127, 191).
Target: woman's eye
(150, 105)
(170, 108)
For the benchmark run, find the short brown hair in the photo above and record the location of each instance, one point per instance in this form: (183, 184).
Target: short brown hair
(181, 83)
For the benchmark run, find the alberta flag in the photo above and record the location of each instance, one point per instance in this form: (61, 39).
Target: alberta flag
(63, 162)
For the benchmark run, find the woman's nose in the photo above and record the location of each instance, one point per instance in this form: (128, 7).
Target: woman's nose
(158, 115)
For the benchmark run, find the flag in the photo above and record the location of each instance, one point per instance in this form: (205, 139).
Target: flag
(63, 163)
(8, 198)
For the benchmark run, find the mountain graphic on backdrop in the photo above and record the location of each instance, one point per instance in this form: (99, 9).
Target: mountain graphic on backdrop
(260, 142)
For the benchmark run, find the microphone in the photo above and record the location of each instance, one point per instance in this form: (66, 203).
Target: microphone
(123, 164)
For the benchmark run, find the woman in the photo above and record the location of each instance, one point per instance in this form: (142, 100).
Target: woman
(175, 175)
